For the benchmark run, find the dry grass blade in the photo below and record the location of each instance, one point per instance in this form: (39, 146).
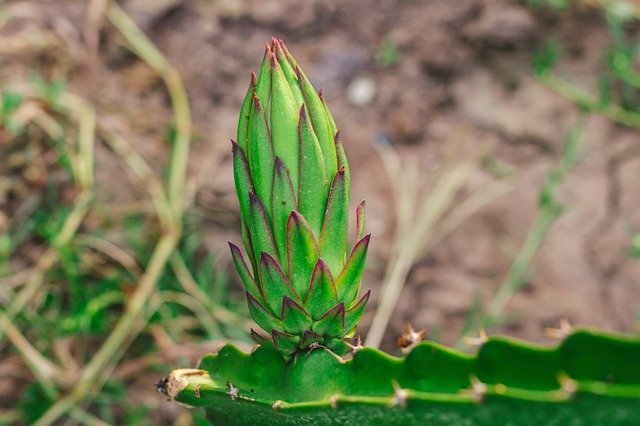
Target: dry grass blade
(125, 329)
(417, 225)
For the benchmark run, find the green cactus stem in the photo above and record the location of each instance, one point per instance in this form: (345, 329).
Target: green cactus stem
(293, 185)
(592, 377)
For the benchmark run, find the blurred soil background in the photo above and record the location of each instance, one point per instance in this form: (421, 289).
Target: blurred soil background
(495, 142)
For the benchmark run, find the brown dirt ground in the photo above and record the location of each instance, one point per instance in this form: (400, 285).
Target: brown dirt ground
(461, 64)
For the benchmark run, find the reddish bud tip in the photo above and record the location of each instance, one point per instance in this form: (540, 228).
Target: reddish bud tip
(253, 79)
(256, 102)
(279, 165)
(337, 140)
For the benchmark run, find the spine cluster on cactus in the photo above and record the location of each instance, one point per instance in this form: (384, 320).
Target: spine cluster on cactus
(293, 185)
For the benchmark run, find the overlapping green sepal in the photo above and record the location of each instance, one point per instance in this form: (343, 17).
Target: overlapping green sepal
(293, 186)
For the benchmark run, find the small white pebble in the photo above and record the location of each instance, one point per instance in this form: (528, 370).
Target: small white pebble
(361, 91)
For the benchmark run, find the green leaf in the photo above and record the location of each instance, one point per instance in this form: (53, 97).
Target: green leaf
(294, 318)
(242, 177)
(333, 129)
(331, 323)
(312, 186)
(251, 285)
(322, 294)
(284, 116)
(353, 315)
(333, 239)
(360, 219)
(285, 343)
(259, 230)
(320, 124)
(261, 315)
(261, 158)
(248, 246)
(348, 282)
(288, 71)
(284, 202)
(260, 339)
(309, 337)
(245, 112)
(302, 252)
(263, 85)
(275, 284)
(343, 163)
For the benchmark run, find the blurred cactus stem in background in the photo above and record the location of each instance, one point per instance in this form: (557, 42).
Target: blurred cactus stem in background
(293, 185)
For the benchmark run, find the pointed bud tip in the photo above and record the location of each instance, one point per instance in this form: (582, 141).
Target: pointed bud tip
(254, 199)
(256, 102)
(253, 79)
(295, 216)
(250, 298)
(273, 62)
(338, 138)
(279, 166)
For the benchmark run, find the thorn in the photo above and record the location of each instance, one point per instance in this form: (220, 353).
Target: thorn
(161, 387)
(353, 349)
(568, 385)
(410, 337)
(316, 345)
(333, 400)
(400, 396)
(233, 391)
(561, 332)
(478, 389)
(477, 341)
